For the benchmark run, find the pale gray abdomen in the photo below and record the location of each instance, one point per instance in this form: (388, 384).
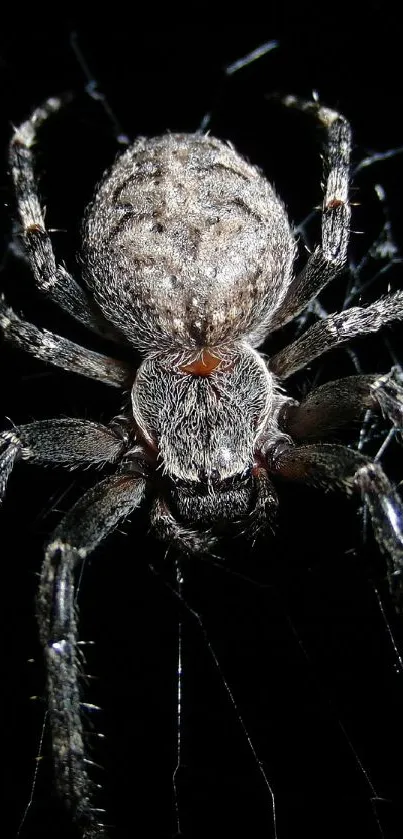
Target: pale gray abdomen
(187, 245)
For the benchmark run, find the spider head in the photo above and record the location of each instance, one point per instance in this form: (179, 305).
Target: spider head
(204, 417)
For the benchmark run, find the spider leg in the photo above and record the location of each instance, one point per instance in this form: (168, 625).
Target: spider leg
(334, 404)
(264, 514)
(70, 442)
(61, 352)
(92, 518)
(337, 467)
(336, 330)
(10, 453)
(329, 258)
(387, 391)
(51, 279)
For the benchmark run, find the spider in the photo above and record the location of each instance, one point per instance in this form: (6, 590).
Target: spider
(187, 256)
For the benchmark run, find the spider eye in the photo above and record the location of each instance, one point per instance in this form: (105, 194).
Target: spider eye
(212, 477)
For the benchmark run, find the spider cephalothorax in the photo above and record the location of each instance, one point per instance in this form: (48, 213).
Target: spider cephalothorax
(187, 256)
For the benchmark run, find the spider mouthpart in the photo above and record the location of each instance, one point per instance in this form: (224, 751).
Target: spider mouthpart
(211, 482)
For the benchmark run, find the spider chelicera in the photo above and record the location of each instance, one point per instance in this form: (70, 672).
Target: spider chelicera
(187, 256)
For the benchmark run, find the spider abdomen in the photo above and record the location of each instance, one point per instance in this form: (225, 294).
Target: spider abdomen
(186, 244)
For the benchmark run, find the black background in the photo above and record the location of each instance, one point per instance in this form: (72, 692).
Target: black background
(294, 623)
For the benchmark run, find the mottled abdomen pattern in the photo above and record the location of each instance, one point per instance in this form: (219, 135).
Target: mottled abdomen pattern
(186, 245)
